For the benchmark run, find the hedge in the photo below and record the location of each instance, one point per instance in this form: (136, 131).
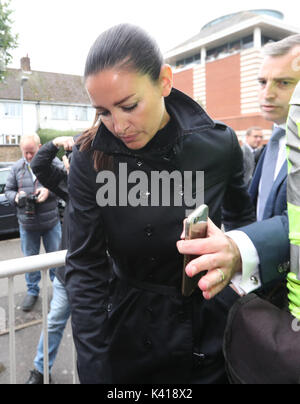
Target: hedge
(46, 135)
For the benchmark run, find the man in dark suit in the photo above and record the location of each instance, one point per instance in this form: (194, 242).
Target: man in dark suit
(251, 148)
(257, 254)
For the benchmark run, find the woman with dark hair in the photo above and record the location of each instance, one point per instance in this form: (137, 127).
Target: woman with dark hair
(139, 328)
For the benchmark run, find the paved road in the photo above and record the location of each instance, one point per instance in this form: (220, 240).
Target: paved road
(27, 336)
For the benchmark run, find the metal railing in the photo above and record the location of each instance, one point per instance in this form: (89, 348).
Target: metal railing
(19, 266)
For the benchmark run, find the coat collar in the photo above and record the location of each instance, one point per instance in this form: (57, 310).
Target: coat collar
(188, 116)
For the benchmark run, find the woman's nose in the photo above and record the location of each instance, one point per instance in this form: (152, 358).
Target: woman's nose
(120, 125)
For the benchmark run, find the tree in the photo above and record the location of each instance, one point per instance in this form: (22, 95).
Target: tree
(8, 41)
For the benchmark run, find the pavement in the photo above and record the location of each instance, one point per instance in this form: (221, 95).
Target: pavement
(28, 329)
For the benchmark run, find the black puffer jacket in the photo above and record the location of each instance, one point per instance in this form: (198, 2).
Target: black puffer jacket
(20, 179)
(150, 333)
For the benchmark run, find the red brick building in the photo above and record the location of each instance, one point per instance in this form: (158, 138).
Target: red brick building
(219, 66)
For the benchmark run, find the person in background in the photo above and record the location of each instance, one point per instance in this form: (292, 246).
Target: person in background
(55, 179)
(263, 248)
(37, 213)
(251, 151)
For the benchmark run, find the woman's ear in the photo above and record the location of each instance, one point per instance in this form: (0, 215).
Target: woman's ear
(166, 80)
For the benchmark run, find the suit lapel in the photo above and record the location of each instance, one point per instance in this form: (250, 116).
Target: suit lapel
(271, 199)
(253, 189)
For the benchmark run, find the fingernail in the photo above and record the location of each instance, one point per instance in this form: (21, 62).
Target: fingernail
(203, 285)
(206, 295)
(191, 270)
(179, 245)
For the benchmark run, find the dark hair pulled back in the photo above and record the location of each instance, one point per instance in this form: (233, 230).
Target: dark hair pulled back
(124, 47)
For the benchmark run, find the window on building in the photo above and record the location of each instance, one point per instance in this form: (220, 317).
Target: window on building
(189, 60)
(229, 48)
(60, 112)
(247, 42)
(211, 54)
(9, 139)
(12, 109)
(234, 46)
(91, 114)
(266, 39)
(80, 113)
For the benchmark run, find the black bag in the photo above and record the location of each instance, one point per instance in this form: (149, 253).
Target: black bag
(261, 343)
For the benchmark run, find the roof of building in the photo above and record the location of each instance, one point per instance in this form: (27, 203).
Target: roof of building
(220, 26)
(233, 22)
(44, 87)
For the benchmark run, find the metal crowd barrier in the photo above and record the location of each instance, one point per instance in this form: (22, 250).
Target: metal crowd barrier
(11, 268)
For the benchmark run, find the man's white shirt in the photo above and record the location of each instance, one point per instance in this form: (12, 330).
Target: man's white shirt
(249, 279)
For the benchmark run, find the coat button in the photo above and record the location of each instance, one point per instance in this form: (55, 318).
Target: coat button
(199, 358)
(148, 343)
(149, 310)
(149, 230)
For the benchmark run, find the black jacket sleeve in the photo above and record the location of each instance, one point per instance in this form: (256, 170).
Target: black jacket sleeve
(49, 170)
(87, 271)
(238, 210)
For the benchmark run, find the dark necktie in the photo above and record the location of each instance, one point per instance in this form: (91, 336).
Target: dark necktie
(268, 170)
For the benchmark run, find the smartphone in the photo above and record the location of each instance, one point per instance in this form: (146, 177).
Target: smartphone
(195, 227)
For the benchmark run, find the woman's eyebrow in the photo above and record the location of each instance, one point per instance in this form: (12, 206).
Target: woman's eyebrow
(116, 103)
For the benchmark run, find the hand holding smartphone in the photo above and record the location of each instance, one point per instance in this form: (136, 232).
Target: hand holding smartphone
(195, 227)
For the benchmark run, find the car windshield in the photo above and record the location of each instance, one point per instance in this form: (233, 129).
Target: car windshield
(3, 178)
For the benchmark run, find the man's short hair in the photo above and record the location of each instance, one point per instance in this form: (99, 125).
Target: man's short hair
(250, 130)
(283, 47)
(34, 137)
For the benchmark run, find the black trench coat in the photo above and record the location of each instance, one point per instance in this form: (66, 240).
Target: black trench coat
(137, 328)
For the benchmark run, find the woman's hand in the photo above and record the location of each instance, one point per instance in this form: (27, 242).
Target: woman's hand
(217, 254)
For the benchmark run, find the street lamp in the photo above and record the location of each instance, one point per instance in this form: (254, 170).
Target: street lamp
(23, 80)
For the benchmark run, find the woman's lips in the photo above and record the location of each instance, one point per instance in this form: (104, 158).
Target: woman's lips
(129, 138)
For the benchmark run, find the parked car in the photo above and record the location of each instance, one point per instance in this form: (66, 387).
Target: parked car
(8, 213)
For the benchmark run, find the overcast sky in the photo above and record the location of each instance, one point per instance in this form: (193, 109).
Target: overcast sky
(57, 34)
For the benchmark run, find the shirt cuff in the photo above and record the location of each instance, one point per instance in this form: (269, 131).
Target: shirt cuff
(249, 279)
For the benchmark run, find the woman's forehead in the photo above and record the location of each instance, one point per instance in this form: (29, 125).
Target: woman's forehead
(115, 86)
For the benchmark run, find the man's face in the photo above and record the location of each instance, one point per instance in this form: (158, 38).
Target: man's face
(29, 149)
(278, 78)
(255, 138)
